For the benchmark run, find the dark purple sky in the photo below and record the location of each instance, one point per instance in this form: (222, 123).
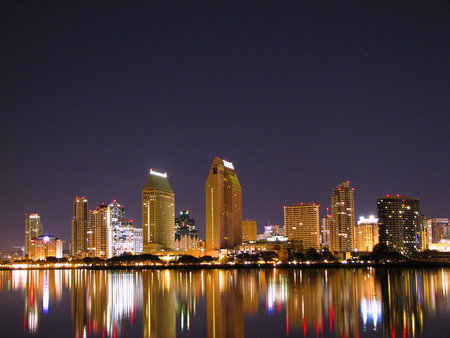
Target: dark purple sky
(299, 95)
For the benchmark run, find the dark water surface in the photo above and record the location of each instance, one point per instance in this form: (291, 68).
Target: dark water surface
(363, 302)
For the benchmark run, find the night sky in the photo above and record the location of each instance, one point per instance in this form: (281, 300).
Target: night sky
(299, 95)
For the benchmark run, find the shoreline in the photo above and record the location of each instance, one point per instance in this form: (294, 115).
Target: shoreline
(298, 266)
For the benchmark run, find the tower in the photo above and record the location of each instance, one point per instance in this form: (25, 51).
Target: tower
(223, 206)
(343, 224)
(79, 225)
(399, 223)
(301, 223)
(158, 213)
(33, 228)
(99, 232)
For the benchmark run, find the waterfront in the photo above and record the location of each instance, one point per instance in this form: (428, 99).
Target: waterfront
(366, 302)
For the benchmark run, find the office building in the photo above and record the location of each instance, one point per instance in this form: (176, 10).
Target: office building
(186, 236)
(400, 223)
(223, 206)
(438, 229)
(45, 246)
(249, 231)
(301, 223)
(366, 233)
(99, 232)
(158, 213)
(137, 241)
(79, 226)
(343, 224)
(122, 230)
(325, 230)
(33, 228)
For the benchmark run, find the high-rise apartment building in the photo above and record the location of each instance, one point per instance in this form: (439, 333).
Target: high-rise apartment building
(122, 230)
(186, 236)
(44, 246)
(325, 230)
(33, 228)
(79, 226)
(249, 231)
(223, 206)
(343, 225)
(99, 232)
(158, 213)
(400, 223)
(301, 223)
(366, 233)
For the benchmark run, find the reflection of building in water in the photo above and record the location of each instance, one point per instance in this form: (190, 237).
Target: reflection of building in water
(225, 315)
(159, 304)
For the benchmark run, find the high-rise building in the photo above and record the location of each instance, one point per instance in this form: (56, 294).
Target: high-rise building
(366, 233)
(33, 228)
(122, 230)
(186, 237)
(79, 226)
(137, 241)
(223, 206)
(400, 223)
(343, 224)
(249, 231)
(301, 223)
(99, 232)
(325, 230)
(158, 213)
(44, 246)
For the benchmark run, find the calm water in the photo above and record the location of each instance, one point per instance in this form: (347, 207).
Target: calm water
(362, 302)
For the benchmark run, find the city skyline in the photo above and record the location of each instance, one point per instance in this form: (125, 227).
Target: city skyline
(300, 96)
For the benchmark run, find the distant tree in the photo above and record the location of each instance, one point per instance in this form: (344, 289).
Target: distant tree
(246, 257)
(51, 259)
(188, 259)
(311, 254)
(268, 255)
(298, 256)
(208, 259)
(328, 255)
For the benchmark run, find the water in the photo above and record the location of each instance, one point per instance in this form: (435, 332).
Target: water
(363, 302)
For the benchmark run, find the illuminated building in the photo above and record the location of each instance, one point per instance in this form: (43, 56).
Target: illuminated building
(137, 241)
(400, 223)
(158, 213)
(223, 206)
(99, 232)
(366, 233)
(343, 224)
(186, 237)
(301, 223)
(44, 246)
(325, 231)
(438, 229)
(33, 228)
(249, 231)
(122, 230)
(79, 226)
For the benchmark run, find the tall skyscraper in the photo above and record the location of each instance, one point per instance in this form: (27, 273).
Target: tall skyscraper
(158, 213)
(301, 223)
(186, 236)
(79, 226)
(400, 223)
(122, 230)
(33, 228)
(99, 232)
(325, 230)
(223, 206)
(343, 224)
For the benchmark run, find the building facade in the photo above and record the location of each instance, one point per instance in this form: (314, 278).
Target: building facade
(438, 229)
(366, 233)
(45, 246)
(343, 224)
(223, 206)
(137, 241)
(186, 236)
(79, 226)
(158, 213)
(400, 223)
(249, 231)
(122, 230)
(99, 232)
(301, 223)
(33, 229)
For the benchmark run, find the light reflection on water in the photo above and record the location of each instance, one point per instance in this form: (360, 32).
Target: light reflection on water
(231, 303)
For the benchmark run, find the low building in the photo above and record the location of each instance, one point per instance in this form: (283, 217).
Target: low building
(45, 246)
(366, 233)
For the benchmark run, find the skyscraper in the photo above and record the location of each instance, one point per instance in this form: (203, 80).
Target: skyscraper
(99, 232)
(79, 226)
(223, 206)
(366, 233)
(400, 223)
(343, 224)
(122, 230)
(33, 228)
(186, 236)
(158, 213)
(301, 223)
(249, 231)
